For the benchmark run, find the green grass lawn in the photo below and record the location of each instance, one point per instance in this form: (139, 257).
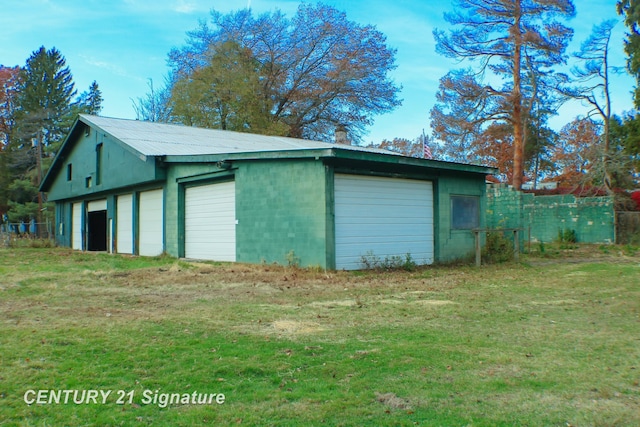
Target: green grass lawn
(552, 342)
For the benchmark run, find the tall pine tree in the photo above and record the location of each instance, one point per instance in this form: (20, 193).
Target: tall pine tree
(499, 38)
(44, 102)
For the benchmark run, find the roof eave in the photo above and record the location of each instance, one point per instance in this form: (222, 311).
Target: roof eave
(334, 152)
(413, 161)
(257, 155)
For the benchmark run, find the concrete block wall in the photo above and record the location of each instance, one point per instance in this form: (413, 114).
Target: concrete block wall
(281, 207)
(592, 218)
(504, 207)
(541, 217)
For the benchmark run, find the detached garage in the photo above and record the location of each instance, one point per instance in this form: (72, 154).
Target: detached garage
(145, 188)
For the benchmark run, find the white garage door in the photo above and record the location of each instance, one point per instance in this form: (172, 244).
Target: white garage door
(76, 226)
(124, 224)
(151, 223)
(382, 216)
(210, 222)
(97, 205)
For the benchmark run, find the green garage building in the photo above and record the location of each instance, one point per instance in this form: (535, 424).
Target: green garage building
(134, 187)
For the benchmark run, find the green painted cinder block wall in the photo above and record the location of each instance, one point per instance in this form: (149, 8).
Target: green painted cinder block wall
(179, 177)
(281, 207)
(453, 244)
(542, 217)
(592, 218)
(118, 168)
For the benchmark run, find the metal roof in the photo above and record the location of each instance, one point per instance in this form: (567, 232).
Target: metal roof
(177, 143)
(159, 139)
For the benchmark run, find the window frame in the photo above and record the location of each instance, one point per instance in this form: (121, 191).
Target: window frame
(466, 222)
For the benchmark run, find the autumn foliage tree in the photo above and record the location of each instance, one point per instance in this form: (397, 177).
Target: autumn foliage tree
(226, 93)
(311, 72)
(575, 153)
(9, 87)
(411, 147)
(510, 45)
(494, 146)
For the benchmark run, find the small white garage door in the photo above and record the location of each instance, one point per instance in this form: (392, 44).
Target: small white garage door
(124, 224)
(76, 226)
(151, 223)
(384, 217)
(210, 222)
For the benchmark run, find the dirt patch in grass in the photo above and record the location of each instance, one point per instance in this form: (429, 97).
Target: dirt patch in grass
(393, 401)
(295, 327)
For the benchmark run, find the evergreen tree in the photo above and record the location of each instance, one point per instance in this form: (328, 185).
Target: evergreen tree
(45, 98)
(630, 9)
(44, 102)
(90, 102)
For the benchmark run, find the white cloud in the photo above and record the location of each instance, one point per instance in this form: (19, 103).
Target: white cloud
(185, 6)
(108, 66)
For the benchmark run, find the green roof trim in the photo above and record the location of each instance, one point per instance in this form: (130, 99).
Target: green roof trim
(337, 153)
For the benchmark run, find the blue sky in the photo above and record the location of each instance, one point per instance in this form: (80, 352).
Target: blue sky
(123, 43)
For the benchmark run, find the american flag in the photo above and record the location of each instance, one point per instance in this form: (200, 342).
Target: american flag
(426, 154)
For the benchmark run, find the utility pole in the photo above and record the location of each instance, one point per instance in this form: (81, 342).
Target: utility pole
(39, 165)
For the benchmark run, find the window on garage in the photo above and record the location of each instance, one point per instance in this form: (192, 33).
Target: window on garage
(99, 164)
(465, 212)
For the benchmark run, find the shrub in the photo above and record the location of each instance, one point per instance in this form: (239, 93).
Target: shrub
(567, 239)
(292, 260)
(371, 261)
(567, 236)
(497, 248)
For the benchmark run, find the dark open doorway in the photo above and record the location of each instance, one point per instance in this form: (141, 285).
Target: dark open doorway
(97, 231)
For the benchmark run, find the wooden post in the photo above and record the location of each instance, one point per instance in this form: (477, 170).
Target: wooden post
(516, 245)
(478, 248)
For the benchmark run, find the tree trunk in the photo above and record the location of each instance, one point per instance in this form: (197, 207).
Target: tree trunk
(518, 133)
(40, 141)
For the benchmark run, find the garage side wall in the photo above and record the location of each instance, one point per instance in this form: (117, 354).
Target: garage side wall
(282, 212)
(97, 164)
(452, 243)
